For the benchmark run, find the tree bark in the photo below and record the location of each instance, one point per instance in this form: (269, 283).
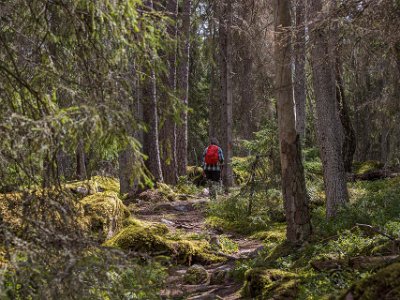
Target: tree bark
(329, 128)
(225, 16)
(168, 130)
(183, 88)
(299, 68)
(349, 138)
(293, 181)
(150, 139)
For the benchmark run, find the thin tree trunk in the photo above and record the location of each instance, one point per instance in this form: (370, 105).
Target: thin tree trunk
(226, 88)
(150, 139)
(168, 130)
(299, 68)
(293, 181)
(214, 101)
(329, 128)
(183, 88)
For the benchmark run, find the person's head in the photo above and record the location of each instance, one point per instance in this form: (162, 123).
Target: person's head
(214, 141)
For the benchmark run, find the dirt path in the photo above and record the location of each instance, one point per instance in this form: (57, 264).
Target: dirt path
(189, 216)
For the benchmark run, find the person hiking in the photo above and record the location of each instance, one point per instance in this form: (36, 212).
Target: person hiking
(213, 160)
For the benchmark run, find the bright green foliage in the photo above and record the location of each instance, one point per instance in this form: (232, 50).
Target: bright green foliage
(232, 212)
(372, 202)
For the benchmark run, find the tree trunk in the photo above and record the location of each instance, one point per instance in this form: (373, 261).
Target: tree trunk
(299, 68)
(183, 88)
(329, 128)
(349, 138)
(226, 88)
(168, 130)
(150, 139)
(293, 181)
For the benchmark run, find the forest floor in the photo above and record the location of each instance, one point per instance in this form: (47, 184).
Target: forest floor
(188, 216)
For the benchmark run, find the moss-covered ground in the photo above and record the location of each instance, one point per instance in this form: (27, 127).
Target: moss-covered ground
(341, 255)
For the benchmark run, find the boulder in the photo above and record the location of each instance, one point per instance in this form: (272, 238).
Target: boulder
(196, 275)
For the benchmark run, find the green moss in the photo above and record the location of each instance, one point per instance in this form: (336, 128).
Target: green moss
(138, 238)
(152, 238)
(265, 283)
(276, 234)
(104, 213)
(361, 168)
(108, 184)
(96, 184)
(385, 284)
(167, 191)
(196, 275)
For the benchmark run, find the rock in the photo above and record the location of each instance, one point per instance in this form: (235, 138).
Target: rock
(104, 214)
(152, 196)
(270, 283)
(196, 275)
(220, 275)
(80, 190)
(167, 222)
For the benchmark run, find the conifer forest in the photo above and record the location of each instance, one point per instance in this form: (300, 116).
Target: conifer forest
(199, 149)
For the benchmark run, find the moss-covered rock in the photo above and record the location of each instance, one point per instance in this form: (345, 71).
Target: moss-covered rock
(153, 239)
(385, 284)
(265, 283)
(94, 185)
(162, 193)
(196, 275)
(103, 214)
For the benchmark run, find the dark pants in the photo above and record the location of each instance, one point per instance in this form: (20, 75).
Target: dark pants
(213, 175)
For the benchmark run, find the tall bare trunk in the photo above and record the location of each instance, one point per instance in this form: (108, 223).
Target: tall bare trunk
(293, 181)
(150, 140)
(168, 130)
(214, 101)
(329, 128)
(183, 87)
(226, 88)
(299, 68)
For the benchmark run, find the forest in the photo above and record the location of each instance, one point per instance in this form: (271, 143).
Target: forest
(199, 149)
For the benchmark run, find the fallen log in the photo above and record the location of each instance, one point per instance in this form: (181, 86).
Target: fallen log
(373, 175)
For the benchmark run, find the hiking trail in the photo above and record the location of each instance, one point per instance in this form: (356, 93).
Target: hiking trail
(189, 216)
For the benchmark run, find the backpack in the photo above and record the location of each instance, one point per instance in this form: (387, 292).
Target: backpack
(212, 156)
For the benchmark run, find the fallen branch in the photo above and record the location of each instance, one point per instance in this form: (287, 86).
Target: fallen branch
(392, 238)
